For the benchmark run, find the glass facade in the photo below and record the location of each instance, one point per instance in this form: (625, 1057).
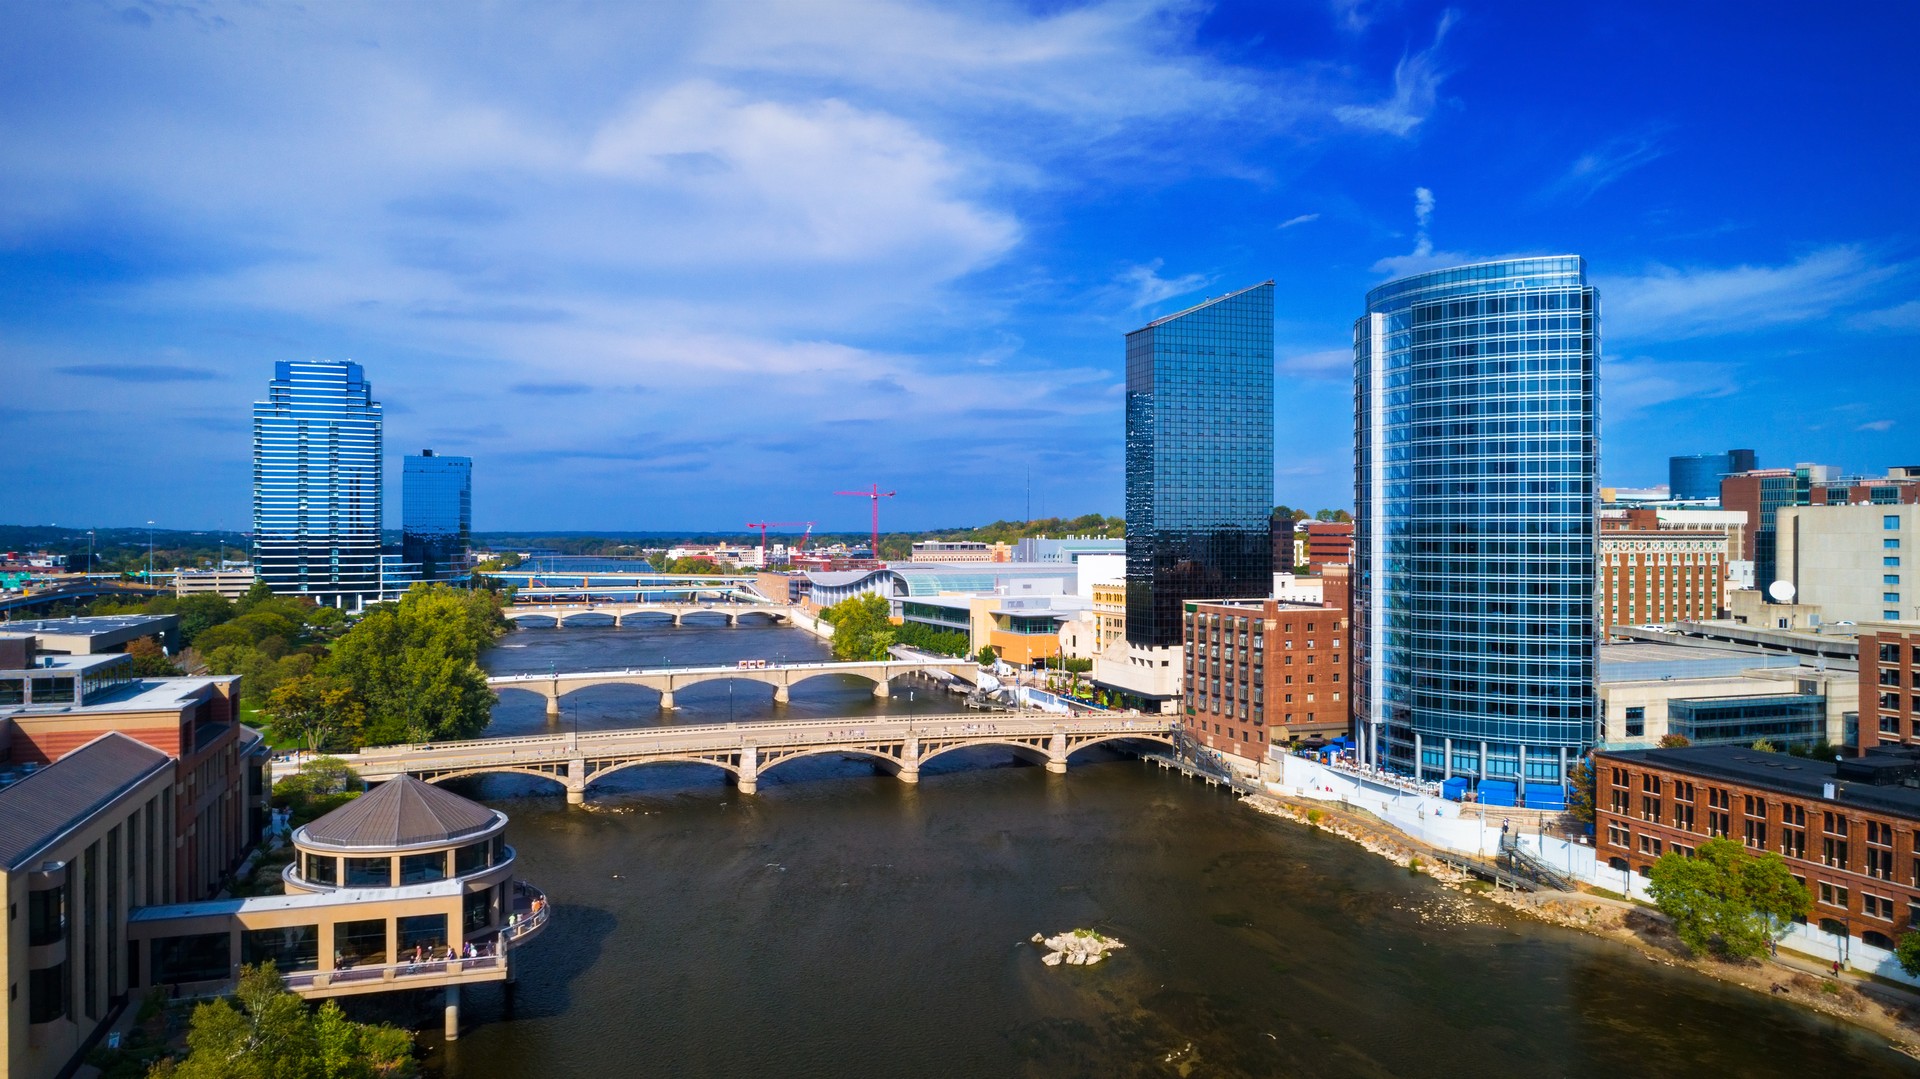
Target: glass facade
(436, 514)
(1697, 477)
(1199, 460)
(1476, 454)
(317, 483)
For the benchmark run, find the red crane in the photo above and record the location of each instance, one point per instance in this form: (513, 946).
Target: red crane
(764, 525)
(876, 495)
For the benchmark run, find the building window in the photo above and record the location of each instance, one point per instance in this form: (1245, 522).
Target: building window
(201, 957)
(295, 947)
(1890, 523)
(1618, 836)
(370, 872)
(48, 991)
(1650, 845)
(1636, 722)
(1833, 896)
(1793, 843)
(1833, 852)
(360, 944)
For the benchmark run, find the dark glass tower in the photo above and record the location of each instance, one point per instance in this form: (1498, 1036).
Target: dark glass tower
(1476, 452)
(436, 514)
(317, 483)
(1696, 477)
(1199, 460)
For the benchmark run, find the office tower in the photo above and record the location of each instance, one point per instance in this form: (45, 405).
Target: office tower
(436, 514)
(1696, 477)
(1475, 462)
(1199, 460)
(317, 483)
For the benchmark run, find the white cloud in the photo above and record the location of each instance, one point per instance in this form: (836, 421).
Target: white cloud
(1332, 363)
(1416, 90)
(1675, 303)
(1603, 165)
(1876, 425)
(1146, 287)
(1904, 316)
(1629, 386)
(1303, 219)
(1423, 257)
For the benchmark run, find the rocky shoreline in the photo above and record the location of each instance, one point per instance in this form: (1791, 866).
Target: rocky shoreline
(1078, 948)
(1640, 928)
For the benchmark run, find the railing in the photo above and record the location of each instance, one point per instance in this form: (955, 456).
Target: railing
(393, 972)
(564, 676)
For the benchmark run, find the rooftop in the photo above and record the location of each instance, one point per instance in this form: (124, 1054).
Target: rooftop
(37, 810)
(401, 812)
(1802, 777)
(95, 625)
(138, 695)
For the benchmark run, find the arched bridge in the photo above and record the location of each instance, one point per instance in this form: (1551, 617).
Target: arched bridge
(782, 677)
(621, 612)
(746, 750)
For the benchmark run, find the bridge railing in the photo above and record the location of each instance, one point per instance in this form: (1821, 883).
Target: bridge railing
(821, 665)
(453, 756)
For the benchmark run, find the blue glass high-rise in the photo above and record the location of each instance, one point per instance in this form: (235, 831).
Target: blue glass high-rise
(1476, 453)
(1199, 460)
(436, 514)
(317, 483)
(1696, 477)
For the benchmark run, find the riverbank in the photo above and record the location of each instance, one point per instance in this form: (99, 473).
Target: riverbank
(1889, 1012)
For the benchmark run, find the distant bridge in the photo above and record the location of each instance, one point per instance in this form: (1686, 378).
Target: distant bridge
(782, 677)
(90, 590)
(747, 750)
(621, 612)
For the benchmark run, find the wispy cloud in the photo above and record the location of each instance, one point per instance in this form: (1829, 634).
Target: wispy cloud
(551, 389)
(1630, 385)
(1603, 165)
(1303, 219)
(1423, 256)
(1331, 363)
(140, 372)
(1146, 287)
(1876, 425)
(1904, 316)
(1677, 303)
(1416, 90)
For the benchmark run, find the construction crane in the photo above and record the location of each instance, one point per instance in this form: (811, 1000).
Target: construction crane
(876, 495)
(764, 525)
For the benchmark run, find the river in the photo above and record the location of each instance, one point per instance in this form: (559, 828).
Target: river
(843, 924)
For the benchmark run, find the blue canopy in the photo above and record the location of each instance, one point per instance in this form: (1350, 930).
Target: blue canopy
(1546, 796)
(1498, 792)
(1454, 789)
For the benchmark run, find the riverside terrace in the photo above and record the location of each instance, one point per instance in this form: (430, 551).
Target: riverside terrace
(746, 750)
(782, 677)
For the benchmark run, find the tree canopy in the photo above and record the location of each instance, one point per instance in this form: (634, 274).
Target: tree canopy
(273, 1034)
(863, 627)
(1725, 899)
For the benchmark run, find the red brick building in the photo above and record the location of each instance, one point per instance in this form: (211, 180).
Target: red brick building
(1329, 543)
(1264, 671)
(1849, 830)
(1660, 576)
(1889, 684)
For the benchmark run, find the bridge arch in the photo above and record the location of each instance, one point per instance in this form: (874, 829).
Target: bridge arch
(538, 689)
(809, 676)
(730, 769)
(1036, 754)
(1147, 735)
(892, 764)
(501, 769)
(533, 621)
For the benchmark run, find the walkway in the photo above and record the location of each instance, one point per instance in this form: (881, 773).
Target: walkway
(782, 677)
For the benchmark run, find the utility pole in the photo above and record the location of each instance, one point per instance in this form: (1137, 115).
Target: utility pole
(876, 494)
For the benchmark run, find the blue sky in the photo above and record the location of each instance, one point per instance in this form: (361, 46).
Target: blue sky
(677, 266)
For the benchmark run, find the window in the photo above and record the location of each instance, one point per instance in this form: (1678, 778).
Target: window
(427, 931)
(1683, 817)
(1618, 836)
(1650, 845)
(1834, 823)
(1649, 808)
(1756, 807)
(47, 916)
(1891, 561)
(321, 868)
(370, 872)
(421, 868)
(1756, 834)
(1620, 802)
(1890, 578)
(296, 947)
(1880, 864)
(1833, 852)
(201, 957)
(1890, 523)
(1636, 722)
(360, 944)
(47, 993)
(476, 910)
(1833, 896)
(1793, 843)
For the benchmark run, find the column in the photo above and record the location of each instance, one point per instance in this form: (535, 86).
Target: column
(780, 694)
(666, 699)
(1446, 747)
(553, 704)
(749, 781)
(1057, 752)
(453, 1012)
(1483, 761)
(1521, 780)
(910, 759)
(1419, 761)
(576, 782)
(882, 687)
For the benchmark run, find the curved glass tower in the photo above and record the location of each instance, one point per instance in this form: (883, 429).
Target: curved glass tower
(1476, 452)
(317, 483)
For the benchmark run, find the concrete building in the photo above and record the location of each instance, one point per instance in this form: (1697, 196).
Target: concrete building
(959, 551)
(1889, 684)
(230, 582)
(1760, 495)
(318, 483)
(1073, 549)
(83, 842)
(1260, 672)
(1847, 829)
(1721, 694)
(1854, 563)
(1476, 454)
(1649, 574)
(93, 635)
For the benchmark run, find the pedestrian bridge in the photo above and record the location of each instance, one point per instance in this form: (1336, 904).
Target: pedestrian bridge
(747, 750)
(782, 677)
(643, 613)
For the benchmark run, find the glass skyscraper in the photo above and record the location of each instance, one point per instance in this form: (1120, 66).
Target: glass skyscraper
(317, 483)
(1696, 477)
(1199, 460)
(1476, 452)
(436, 514)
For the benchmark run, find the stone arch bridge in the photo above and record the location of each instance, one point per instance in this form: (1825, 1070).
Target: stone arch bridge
(746, 750)
(782, 677)
(733, 613)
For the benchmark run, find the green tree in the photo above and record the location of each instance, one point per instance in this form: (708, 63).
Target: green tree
(1764, 746)
(986, 657)
(200, 613)
(1726, 900)
(1908, 952)
(272, 1034)
(1674, 741)
(414, 665)
(314, 709)
(150, 660)
(863, 628)
(1580, 802)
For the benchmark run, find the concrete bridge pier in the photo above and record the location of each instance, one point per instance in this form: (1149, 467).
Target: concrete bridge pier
(553, 707)
(910, 759)
(1057, 752)
(780, 694)
(576, 782)
(749, 781)
(666, 700)
(453, 1012)
(883, 689)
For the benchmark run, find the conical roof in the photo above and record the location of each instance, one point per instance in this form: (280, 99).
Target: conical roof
(401, 812)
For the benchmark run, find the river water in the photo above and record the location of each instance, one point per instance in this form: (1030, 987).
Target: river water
(843, 924)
